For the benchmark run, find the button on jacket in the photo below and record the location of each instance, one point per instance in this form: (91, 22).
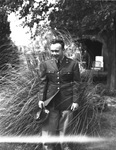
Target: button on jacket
(59, 85)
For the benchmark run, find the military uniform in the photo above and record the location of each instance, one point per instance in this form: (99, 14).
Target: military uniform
(58, 89)
(59, 82)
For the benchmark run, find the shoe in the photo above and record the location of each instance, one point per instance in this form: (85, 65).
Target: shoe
(48, 147)
(65, 147)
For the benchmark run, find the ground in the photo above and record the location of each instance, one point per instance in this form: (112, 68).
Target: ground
(107, 130)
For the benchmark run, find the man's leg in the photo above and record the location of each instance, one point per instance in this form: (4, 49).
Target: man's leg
(65, 122)
(65, 126)
(50, 127)
(48, 146)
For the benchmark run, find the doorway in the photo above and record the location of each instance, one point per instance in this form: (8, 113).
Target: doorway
(93, 48)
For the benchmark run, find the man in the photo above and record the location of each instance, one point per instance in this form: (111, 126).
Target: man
(59, 78)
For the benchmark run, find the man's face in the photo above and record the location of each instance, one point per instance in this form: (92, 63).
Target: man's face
(56, 50)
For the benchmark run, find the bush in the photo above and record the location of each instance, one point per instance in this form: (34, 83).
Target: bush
(19, 103)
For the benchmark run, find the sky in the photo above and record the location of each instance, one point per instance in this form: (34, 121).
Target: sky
(19, 34)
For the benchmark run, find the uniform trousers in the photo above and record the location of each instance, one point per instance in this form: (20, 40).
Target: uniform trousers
(59, 123)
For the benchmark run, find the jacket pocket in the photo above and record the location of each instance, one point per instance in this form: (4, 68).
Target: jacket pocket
(67, 76)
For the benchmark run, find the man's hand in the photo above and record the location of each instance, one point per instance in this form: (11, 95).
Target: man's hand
(74, 106)
(41, 104)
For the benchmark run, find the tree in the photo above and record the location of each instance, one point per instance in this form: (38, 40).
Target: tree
(91, 17)
(4, 27)
(8, 51)
(34, 11)
(79, 17)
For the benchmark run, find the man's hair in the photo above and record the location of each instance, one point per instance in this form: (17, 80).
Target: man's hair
(58, 41)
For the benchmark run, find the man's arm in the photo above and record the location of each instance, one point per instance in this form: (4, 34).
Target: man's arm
(43, 84)
(76, 80)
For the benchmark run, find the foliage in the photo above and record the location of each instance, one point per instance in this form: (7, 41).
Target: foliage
(34, 12)
(8, 51)
(19, 146)
(19, 102)
(87, 15)
(9, 55)
(12, 5)
(19, 90)
(4, 27)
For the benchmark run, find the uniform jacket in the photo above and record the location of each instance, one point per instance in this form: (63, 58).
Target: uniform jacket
(59, 85)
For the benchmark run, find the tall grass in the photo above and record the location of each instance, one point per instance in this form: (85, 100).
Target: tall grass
(19, 100)
(8, 55)
(86, 118)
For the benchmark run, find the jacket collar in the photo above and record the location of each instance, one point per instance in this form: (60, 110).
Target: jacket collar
(62, 63)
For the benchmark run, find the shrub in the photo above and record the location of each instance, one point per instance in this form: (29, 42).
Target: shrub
(19, 103)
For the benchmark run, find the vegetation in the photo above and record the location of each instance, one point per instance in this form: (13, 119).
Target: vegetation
(19, 103)
(8, 51)
(19, 87)
(87, 14)
(87, 18)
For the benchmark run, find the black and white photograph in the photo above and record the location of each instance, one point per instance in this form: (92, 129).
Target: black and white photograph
(57, 75)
